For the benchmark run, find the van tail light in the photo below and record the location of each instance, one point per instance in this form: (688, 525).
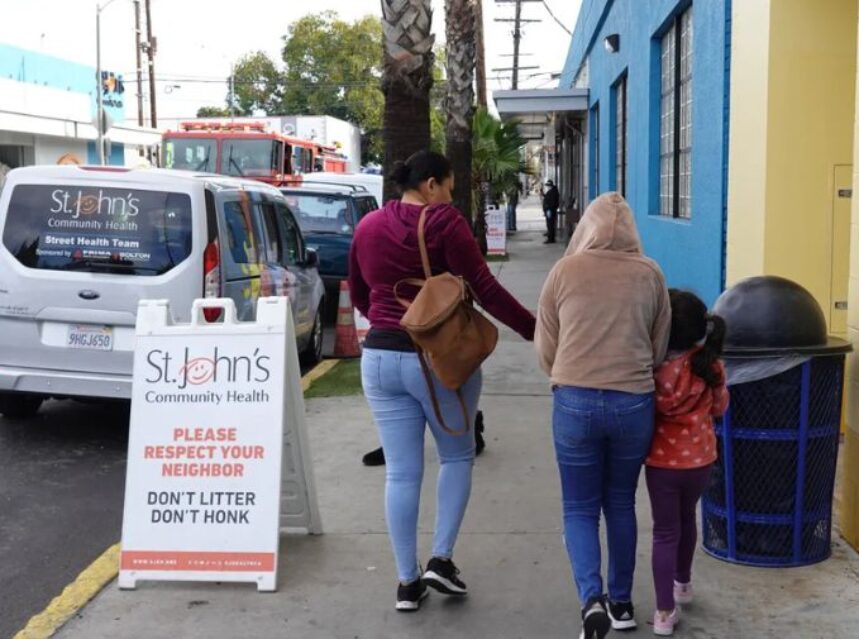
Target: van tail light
(212, 279)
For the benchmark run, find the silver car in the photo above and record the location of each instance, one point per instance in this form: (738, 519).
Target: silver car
(82, 245)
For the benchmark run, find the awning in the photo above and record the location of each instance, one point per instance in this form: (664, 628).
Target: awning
(535, 108)
(134, 135)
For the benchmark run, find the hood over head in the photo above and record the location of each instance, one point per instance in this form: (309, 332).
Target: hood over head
(607, 225)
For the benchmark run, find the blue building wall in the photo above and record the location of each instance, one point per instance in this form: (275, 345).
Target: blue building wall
(691, 252)
(30, 67)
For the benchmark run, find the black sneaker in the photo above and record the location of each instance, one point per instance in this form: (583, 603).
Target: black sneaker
(622, 615)
(375, 458)
(410, 596)
(595, 621)
(442, 575)
(478, 433)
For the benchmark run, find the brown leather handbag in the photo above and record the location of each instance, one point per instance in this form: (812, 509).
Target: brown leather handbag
(452, 337)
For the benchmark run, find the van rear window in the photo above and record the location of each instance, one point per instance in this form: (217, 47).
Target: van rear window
(98, 230)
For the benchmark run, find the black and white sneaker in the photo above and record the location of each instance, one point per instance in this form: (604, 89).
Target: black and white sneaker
(595, 621)
(622, 615)
(410, 596)
(442, 575)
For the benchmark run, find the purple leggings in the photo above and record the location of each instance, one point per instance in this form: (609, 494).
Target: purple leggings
(674, 495)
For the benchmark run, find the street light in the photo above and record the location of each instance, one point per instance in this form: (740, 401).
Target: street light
(99, 87)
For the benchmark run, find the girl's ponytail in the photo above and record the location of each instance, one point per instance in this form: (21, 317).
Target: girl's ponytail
(704, 361)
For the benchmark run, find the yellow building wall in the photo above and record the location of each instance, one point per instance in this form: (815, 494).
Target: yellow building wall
(793, 77)
(811, 111)
(849, 502)
(747, 167)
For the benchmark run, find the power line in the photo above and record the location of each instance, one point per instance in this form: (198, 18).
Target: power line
(555, 18)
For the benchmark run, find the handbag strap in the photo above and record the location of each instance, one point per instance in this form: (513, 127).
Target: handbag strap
(435, 405)
(422, 243)
(425, 261)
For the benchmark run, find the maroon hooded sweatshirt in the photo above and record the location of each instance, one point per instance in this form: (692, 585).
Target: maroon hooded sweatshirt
(385, 251)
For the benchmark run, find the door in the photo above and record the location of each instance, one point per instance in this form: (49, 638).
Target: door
(841, 216)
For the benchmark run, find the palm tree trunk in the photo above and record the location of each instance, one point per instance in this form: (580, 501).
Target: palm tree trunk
(406, 81)
(460, 33)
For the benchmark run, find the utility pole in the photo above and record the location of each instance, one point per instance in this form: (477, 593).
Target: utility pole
(232, 91)
(517, 34)
(150, 50)
(138, 53)
(480, 57)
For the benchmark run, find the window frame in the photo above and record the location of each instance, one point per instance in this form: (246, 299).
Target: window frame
(621, 131)
(676, 102)
(595, 150)
(285, 220)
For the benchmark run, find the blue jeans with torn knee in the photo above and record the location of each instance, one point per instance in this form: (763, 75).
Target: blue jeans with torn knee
(601, 440)
(397, 392)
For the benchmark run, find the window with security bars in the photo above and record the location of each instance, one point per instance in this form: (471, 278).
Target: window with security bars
(675, 119)
(620, 153)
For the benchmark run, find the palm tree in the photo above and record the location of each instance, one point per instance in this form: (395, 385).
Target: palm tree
(496, 164)
(406, 80)
(460, 20)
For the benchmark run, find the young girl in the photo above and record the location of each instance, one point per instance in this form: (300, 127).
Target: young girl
(690, 392)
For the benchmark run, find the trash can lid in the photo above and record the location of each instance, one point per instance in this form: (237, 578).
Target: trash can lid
(771, 316)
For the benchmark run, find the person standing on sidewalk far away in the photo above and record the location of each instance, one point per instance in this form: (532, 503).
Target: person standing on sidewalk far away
(551, 203)
(690, 392)
(602, 326)
(384, 252)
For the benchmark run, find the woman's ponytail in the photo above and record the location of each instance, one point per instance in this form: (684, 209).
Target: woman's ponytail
(704, 361)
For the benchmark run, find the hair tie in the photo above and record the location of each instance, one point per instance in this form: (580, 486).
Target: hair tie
(711, 326)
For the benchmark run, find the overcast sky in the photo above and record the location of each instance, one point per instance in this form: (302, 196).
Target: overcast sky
(198, 39)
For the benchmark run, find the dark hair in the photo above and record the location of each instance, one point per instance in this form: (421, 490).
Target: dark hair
(420, 167)
(690, 323)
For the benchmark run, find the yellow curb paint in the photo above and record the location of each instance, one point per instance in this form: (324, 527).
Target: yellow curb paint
(104, 569)
(75, 596)
(323, 368)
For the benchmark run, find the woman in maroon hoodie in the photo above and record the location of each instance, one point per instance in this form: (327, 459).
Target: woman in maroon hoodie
(385, 251)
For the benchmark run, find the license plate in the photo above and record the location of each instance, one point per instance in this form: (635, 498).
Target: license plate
(94, 338)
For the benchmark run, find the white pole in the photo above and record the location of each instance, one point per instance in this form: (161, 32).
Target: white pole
(100, 110)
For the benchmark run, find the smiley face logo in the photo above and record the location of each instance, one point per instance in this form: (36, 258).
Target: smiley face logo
(198, 370)
(87, 204)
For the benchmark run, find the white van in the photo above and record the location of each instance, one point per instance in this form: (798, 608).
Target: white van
(81, 246)
(371, 183)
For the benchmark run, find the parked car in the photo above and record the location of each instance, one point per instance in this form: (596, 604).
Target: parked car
(373, 184)
(82, 245)
(327, 215)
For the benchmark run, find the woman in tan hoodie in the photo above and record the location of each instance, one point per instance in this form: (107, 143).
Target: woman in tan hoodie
(602, 327)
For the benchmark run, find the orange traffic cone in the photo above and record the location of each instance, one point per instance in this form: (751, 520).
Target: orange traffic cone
(362, 326)
(346, 342)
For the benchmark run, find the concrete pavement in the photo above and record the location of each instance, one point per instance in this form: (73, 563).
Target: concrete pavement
(342, 584)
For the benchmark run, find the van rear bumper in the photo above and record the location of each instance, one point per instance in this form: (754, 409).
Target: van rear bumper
(65, 383)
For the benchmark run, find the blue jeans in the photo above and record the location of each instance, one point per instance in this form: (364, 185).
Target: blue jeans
(601, 440)
(399, 399)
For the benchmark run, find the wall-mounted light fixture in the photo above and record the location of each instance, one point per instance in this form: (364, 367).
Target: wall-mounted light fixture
(612, 43)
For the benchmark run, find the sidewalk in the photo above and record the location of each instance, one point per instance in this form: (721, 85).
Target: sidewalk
(341, 585)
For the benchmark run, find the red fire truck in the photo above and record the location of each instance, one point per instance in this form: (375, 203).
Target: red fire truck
(247, 149)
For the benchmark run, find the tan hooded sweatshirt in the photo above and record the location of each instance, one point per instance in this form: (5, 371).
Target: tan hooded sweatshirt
(604, 315)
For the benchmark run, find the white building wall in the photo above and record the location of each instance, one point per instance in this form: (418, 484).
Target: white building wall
(51, 149)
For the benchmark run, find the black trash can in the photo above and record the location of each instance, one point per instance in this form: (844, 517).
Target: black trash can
(769, 502)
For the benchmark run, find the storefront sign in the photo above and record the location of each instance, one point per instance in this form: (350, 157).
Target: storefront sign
(210, 406)
(496, 231)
